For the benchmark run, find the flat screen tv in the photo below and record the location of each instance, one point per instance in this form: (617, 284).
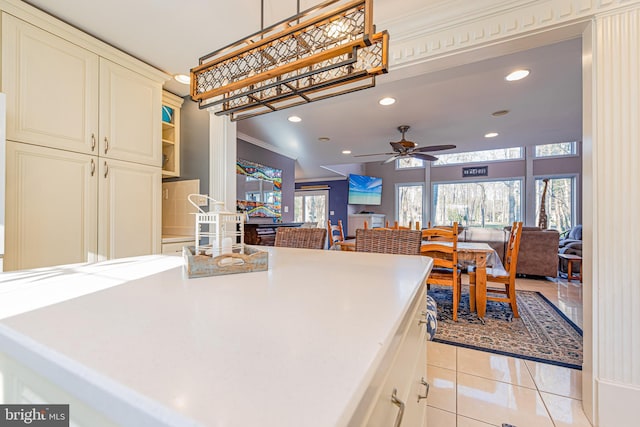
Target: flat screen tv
(365, 190)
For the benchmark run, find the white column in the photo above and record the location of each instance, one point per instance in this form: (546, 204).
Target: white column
(222, 160)
(615, 246)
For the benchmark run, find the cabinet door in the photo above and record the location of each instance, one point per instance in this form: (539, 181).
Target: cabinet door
(130, 115)
(51, 203)
(51, 87)
(130, 207)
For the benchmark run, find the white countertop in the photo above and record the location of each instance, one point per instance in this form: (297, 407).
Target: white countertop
(292, 346)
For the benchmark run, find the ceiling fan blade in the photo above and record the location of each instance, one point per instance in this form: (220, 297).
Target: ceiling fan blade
(389, 160)
(434, 148)
(398, 147)
(424, 156)
(378, 154)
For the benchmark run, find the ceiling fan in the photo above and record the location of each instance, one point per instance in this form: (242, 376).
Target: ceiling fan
(404, 148)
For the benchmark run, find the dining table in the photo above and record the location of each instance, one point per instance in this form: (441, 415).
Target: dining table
(480, 255)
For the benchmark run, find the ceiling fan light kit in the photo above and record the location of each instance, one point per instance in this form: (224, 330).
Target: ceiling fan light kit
(404, 148)
(313, 55)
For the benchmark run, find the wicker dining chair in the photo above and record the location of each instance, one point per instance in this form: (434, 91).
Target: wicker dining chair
(306, 238)
(388, 241)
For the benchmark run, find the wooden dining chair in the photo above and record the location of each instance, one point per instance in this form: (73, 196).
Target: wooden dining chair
(506, 276)
(335, 233)
(388, 241)
(306, 238)
(441, 244)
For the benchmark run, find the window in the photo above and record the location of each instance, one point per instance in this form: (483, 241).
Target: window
(311, 206)
(479, 156)
(409, 200)
(555, 150)
(559, 202)
(409, 163)
(491, 204)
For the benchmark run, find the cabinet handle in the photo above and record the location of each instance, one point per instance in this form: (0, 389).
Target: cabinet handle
(93, 167)
(106, 145)
(106, 169)
(93, 141)
(400, 404)
(426, 390)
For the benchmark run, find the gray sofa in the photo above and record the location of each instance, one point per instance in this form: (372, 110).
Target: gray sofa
(571, 243)
(538, 255)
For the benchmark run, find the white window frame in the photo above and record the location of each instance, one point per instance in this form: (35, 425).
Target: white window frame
(576, 153)
(523, 207)
(301, 193)
(517, 159)
(574, 192)
(396, 198)
(408, 168)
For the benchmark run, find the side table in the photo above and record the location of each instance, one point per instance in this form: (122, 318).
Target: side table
(570, 260)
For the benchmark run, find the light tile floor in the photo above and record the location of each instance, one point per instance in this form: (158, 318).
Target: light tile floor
(471, 388)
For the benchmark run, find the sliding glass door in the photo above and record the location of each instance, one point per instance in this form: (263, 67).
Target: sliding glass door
(312, 206)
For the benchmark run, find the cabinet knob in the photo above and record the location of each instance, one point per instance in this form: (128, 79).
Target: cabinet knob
(106, 145)
(93, 167)
(106, 169)
(400, 404)
(93, 142)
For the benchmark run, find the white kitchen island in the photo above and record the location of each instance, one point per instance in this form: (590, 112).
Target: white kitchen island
(320, 339)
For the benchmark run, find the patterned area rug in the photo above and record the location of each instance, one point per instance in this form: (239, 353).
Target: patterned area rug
(542, 333)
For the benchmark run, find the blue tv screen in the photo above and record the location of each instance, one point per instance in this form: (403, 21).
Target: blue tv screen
(365, 190)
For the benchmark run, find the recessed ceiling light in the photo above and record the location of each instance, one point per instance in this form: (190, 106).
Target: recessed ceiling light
(324, 139)
(500, 113)
(517, 75)
(294, 119)
(182, 78)
(491, 135)
(346, 151)
(387, 101)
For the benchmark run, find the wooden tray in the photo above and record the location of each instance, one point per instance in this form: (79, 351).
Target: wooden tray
(206, 265)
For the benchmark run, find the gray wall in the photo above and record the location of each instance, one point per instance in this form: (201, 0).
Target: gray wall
(253, 153)
(390, 177)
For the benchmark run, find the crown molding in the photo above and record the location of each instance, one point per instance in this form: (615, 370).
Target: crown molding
(448, 27)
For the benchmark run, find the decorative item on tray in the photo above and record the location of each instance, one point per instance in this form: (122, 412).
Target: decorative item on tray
(225, 252)
(203, 265)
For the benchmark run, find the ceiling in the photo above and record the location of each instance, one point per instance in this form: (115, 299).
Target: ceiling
(451, 106)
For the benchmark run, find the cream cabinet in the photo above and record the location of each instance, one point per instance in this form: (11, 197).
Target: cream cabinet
(357, 221)
(51, 207)
(83, 158)
(65, 207)
(62, 96)
(130, 106)
(397, 395)
(171, 105)
(129, 209)
(51, 86)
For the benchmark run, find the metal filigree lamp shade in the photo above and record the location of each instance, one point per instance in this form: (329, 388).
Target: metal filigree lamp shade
(311, 56)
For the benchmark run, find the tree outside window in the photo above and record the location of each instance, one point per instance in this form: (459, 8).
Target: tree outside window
(409, 199)
(559, 204)
(492, 204)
